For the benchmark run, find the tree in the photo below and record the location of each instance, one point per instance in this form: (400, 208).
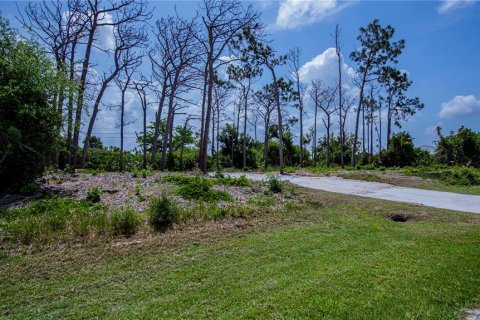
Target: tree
(96, 14)
(399, 107)
(265, 101)
(141, 87)
(376, 50)
(294, 59)
(401, 151)
(323, 98)
(223, 20)
(459, 148)
(243, 76)
(127, 39)
(28, 115)
(123, 83)
(338, 51)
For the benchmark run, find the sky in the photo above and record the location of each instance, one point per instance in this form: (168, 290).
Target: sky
(441, 55)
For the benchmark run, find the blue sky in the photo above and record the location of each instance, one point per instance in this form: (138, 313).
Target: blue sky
(441, 56)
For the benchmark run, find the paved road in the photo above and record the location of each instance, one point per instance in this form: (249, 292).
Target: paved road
(436, 199)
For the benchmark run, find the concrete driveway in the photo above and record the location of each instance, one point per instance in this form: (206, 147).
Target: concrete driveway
(436, 199)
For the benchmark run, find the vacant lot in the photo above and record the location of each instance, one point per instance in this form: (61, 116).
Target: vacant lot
(315, 255)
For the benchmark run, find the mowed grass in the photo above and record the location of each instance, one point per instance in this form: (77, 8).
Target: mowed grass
(330, 256)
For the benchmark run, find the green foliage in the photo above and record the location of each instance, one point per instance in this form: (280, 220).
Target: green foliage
(53, 219)
(462, 176)
(401, 152)
(28, 115)
(162, 212)
(94, 194)
(108, 160)
(459, 148)
(124, 222)
(242, 181)
(274, 184)
(232, 145)
(199, 189)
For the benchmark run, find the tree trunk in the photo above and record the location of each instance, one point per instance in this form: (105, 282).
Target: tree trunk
(357, 121)
(167, 128)
(81, 92)
(314, 148)
(280, 122)
(158, 119)
(328, 140)
(122, 123)
(245, 130)
(265, 142)
(204, 144)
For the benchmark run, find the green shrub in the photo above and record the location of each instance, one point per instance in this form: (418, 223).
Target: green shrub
(124, 222)
(198, 188)
(29, 188)
(93, 194)
(162, 213)
(274, 184)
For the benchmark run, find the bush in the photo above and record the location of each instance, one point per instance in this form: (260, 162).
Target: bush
(28, 118)
(93, 194)
(242, 181)
(162, 213)
(198, 188)
(274, 184)
(124, 222)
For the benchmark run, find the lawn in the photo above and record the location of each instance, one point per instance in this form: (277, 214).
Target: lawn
(324, 256)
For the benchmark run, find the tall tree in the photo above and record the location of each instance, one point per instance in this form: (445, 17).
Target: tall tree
(398, 105)
(294, 59)
(265, 102)
(375, 51)
(123, 83)
(98, 14)
(341, 116)
(128, 38)
(223, 21)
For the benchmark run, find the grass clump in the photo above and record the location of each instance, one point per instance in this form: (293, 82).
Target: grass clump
(200, 189)
(242, 181)
(274, 184)
(93, 194)
(162, 213)
(52, 219)
(460, 176)
(124, 222)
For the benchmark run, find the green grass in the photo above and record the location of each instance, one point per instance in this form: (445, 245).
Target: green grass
(333, 257)
(427, 182)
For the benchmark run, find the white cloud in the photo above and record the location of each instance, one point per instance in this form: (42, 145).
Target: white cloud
(451, 5)
(296, 13)
(325, 67)
(460, 107)
(106, 36)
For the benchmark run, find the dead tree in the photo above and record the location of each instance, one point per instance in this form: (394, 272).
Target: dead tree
(294, 62)
(179, 48)
(141, 86)
(223, 22)
(123, 83)
(265, 103)
(128, 39)
(97, 14)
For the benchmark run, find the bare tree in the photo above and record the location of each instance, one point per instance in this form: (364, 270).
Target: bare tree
(265, 102)
(224, 21)
(178, 46)
(338, 51)
(127, 39)
(141, 86)
(123, 83)
(98, 14)
(324, 99)
(294, 61)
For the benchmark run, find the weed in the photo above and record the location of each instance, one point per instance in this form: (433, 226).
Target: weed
(124, 222)
(93, 194)
(198, 188)
(274, 184)
(162, 213)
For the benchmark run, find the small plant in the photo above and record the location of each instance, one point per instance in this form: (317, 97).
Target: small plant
(138, 188)
(274, 184)
(93, 194)
(219, 174)
(29, 188)
(162, 213)
(124, 222)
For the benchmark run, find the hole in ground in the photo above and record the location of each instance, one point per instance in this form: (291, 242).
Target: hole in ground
(400, 217)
